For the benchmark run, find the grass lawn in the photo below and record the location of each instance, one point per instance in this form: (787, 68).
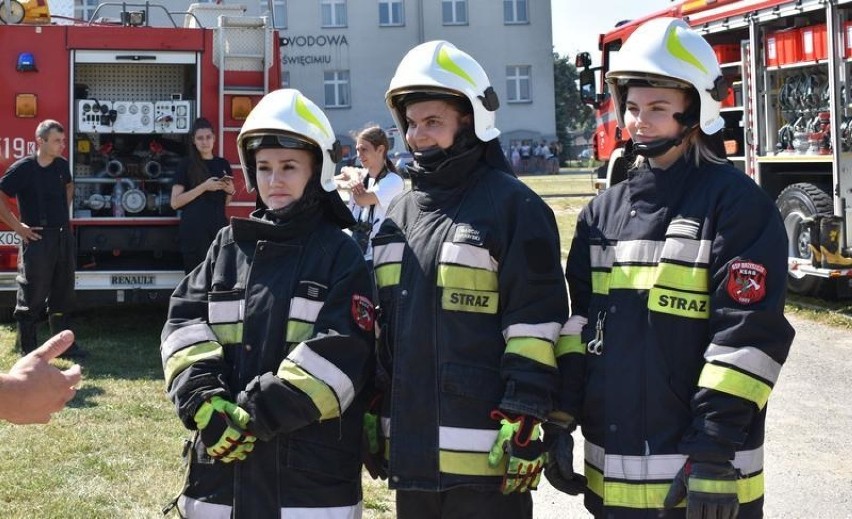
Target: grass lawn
(115, 451)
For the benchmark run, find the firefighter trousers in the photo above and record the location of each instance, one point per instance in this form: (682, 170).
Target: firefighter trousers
(45, 284)
(463, 503)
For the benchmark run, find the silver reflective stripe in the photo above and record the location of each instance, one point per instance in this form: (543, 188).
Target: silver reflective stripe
(748, 358)
(386, 426)
(574, 325)
(331, 512)
(192, 508)
(638, 251)
(319, 367)
(658, 466)
(225, 311)
(390, 253)
(463, 439)
(600, 257)
(468, 255)
(305, 310)
(687, 251)
(186, 336)
(636, 468)
(546, 331)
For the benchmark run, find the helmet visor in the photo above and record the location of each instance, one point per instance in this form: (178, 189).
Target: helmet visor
(647, 80)
(279, 140)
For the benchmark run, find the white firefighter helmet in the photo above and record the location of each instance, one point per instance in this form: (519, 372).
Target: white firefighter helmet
(666, 52)
(288, 119)
(438, 67)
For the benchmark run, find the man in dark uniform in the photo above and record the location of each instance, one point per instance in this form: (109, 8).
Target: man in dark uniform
(44, 190)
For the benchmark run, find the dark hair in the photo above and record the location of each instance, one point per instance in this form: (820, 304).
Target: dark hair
(376, 137)
(45, 127)
(197, 171)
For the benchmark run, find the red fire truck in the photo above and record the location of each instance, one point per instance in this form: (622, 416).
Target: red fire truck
(127, 93)
(788, 118)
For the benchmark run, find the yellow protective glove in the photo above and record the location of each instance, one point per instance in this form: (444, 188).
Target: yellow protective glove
(519, 438)
(223, 430)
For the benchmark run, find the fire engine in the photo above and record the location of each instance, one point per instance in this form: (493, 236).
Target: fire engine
(788, 118)
(127, 93)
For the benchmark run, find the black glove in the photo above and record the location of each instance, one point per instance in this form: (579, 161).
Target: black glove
(559, 467)
(372, 442)
(710, 489)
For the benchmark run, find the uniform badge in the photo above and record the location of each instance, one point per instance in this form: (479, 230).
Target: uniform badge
(363, 312)
(746, 282)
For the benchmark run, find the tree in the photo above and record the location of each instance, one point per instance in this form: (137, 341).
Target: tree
(571, 113)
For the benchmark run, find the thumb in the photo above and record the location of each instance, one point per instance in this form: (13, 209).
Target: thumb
(496, 453)
(677, 492)
(55, 346)
(73, 375)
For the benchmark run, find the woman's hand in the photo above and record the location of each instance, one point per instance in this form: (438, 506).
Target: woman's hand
(228, 185)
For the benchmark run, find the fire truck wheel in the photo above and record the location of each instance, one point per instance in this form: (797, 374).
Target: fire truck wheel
(796, 203)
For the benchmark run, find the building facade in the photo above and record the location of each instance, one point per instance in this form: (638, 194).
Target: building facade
(343, 53)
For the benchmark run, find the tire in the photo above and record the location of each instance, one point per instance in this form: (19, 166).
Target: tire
(795, 203)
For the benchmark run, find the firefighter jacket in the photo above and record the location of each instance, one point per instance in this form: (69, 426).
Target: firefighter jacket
(471, 303)
(277, 319)
(681, 277)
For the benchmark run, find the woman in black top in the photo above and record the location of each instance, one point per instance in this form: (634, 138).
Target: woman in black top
(203, 187)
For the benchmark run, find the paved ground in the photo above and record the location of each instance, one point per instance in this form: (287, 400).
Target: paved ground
(809, 435)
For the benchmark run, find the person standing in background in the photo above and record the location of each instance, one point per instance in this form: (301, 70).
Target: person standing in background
(203, 187)
(47, 258)
(371, 187)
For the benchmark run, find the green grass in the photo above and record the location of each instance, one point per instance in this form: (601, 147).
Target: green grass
(115, 451)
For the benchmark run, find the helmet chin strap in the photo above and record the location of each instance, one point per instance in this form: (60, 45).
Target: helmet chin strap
(659, 147)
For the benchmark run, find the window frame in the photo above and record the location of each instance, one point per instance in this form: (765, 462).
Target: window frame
(337, 82)
(280, 7)
(389, 4)
(515, 12)
(455, 21)
(334, 5)
(517, 77)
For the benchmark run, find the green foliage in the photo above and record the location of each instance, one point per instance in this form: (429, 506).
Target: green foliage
(571, 113)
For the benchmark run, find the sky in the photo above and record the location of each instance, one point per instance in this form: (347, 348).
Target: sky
(577, 23)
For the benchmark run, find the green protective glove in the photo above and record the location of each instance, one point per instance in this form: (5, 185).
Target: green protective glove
(519, 438)
(372, 442)
(710, 489)
(223, 430)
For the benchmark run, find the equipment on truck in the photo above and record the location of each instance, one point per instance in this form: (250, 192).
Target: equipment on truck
(787, 118)
(127, 85)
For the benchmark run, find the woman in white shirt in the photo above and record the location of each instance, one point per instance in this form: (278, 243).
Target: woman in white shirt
(372, 187)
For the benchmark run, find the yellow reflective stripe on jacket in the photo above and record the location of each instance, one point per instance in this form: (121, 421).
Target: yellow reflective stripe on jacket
(460, 300)
(712, 486)
(734, 383)
(652, 495)
(469, 464)
(319, 392)
(326, 371)
(388, 275)
(538, 350)
(747, 358)
(695, 279)
(454, 276)
(683, 304)
(632, 277)
(600, 282)
(230, 333)
(569, 344)
(468, 256)
(184, 358)
(297, 331)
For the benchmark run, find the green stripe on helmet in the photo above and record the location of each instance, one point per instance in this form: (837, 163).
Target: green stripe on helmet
(446, 62)
(306, 114)
(676, 48)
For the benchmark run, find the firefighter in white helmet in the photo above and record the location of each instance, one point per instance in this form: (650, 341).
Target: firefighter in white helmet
(677, 281)
(469, 278)
(269, 341)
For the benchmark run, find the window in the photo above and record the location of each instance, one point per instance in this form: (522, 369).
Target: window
(336, 89)
(454, 12)
(279, 16)
(515, 11)
(83, 9)
(518, 84)
(333, 13)
(390, 12)
(285, 78)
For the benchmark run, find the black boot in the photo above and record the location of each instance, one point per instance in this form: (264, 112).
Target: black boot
(58, 322)
(26, 340)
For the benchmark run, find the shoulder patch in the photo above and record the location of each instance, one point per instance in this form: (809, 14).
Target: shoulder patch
(363, 312)
(746, 282)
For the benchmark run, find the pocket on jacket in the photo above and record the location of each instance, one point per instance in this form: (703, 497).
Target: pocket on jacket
(324, 459)
(472, 382)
